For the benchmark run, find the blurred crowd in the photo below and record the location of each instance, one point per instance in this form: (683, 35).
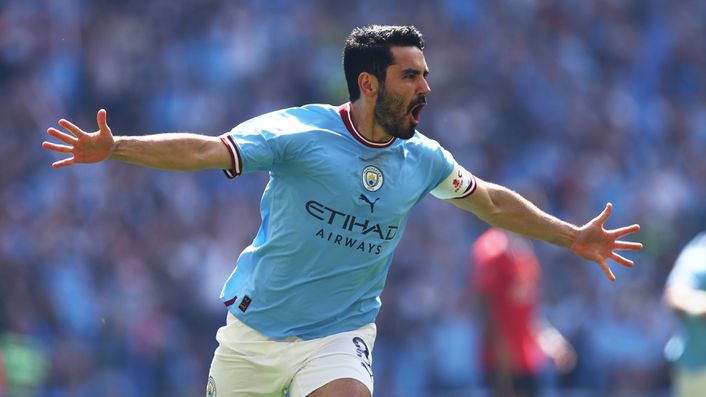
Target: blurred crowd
(110, 274)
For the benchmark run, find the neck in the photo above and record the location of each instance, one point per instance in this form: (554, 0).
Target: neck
(363, 117)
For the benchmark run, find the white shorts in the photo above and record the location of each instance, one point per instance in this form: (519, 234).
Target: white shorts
(248, 363)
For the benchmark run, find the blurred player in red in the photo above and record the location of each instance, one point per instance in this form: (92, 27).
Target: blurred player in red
(517, 339)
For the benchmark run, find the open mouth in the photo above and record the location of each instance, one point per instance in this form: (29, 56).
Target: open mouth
(416, 112)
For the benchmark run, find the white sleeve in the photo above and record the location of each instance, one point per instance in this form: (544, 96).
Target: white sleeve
(459, 184)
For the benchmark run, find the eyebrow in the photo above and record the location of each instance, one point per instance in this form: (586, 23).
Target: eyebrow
(414, 72)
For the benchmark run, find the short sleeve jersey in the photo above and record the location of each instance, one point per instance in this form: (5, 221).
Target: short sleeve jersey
(333, 212)
(689, 346)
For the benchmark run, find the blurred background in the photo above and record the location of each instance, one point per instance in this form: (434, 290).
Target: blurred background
(110, 274)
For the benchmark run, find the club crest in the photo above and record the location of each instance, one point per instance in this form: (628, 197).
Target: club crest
(372, 178)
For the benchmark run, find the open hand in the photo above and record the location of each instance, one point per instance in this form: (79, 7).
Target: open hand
(84, 147)
(596, 243)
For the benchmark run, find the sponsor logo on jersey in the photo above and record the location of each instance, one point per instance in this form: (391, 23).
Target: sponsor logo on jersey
(351, 223)
(372, 178)
(367, 236)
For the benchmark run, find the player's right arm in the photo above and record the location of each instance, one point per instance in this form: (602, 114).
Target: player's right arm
(171, 151)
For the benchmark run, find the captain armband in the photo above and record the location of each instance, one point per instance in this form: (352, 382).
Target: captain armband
(459, 184)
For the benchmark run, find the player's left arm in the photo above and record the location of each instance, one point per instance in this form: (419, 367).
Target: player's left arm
(504, 208)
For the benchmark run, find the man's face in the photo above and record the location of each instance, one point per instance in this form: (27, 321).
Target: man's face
(402, 96)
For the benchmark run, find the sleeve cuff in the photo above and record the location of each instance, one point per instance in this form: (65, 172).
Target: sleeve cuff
(235, 159)
(458, 184)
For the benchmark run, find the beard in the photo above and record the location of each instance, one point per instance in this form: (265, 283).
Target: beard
(392, 114)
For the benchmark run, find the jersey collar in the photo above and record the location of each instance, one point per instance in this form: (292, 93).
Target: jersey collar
(345, 112)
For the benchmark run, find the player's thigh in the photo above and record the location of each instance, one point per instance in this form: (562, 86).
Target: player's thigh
(247, 363)
(233, 375)
(342, 388)
(338, 365)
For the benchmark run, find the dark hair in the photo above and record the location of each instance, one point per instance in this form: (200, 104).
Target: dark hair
(367, 49)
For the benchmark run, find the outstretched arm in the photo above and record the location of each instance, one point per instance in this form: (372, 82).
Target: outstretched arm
(172, 151)
(504, 208)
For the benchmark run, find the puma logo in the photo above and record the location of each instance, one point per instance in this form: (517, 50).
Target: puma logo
(370, 203)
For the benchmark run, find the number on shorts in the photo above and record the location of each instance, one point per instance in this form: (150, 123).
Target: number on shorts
(362, 351)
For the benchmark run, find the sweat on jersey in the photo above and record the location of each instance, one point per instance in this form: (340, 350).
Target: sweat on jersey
(333, 212)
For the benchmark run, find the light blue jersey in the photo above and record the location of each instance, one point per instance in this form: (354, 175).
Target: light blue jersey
(332, 214)
(688, 348)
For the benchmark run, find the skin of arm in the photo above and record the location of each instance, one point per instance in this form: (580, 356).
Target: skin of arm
(501, 207)
(171, 151)
(506, 209)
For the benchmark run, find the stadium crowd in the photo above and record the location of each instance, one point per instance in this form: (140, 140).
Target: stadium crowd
(110, 274)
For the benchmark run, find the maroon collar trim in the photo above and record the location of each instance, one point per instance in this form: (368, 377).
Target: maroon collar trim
(345, 112)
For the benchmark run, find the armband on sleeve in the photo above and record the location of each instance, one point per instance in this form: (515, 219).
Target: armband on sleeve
(459, 184)
(235, 159)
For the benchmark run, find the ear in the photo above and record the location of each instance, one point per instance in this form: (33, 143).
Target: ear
(368, 84)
